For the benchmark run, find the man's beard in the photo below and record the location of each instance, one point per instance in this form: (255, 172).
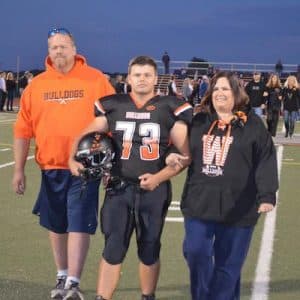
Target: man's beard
(60, 61)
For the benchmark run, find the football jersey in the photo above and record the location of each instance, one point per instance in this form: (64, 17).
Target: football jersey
(141, 132)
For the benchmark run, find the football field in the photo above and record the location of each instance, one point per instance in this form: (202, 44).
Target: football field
(272, 269)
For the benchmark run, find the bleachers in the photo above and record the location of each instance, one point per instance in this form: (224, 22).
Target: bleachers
(163, 81)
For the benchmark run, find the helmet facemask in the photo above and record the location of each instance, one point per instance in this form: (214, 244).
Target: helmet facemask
(95, 152)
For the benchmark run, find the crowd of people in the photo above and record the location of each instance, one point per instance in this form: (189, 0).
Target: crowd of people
(269, 98)
(11, 87)
(212, 126)
(273, 99)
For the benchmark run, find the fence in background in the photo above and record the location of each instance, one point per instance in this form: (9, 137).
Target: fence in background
(202, 67)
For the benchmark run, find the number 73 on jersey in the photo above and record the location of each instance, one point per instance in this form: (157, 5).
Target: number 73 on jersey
(150, 133)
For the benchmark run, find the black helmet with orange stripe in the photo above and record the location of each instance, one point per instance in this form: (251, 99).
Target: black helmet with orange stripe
(96, 153)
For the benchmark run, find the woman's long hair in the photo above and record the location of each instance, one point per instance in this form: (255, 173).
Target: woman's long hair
(271, 84)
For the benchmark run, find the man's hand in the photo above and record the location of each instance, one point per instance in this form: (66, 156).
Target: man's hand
(265, 208)
(75, 167)
(19, 182)
(148, 182)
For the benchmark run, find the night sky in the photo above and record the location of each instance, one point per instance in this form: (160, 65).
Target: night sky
(110, 33)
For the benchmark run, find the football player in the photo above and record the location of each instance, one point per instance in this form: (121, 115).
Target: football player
(142, 126)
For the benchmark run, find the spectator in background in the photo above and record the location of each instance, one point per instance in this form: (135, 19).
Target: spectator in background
(54, 109)
(119, 84)
(187, 89)
(279, 68)
(3, 91)
(203, 86)
(241, 80)
(29, 77)
(298, 73)
(172, 87)
(195, 98)
(11, 90)
(274, 97)
(23, 81)
(166, 61)
(211, 71)
(127, 86)
(291, 104)
(255, 90)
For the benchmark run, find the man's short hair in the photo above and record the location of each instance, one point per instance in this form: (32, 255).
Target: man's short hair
(62, 31)
(142, 61)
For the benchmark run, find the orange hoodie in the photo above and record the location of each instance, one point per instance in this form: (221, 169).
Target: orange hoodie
(56, 107)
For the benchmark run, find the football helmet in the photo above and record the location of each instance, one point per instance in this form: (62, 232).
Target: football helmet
(96, 153)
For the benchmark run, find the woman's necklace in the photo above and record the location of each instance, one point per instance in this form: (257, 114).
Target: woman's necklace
(290, 95)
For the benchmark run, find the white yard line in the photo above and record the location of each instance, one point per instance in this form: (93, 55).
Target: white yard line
(176, 208)
(7, 120)
(12, 162)
(173, 219)
(175, 203)
(260, 288)
(4, 149)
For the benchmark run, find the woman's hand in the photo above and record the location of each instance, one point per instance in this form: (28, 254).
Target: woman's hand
(175, 159)
(265, 208)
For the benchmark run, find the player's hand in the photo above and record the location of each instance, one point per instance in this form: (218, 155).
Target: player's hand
(175, 159)
(105, 180)
(148, 182)
(19, 182)
(75, 167)
(265, 208)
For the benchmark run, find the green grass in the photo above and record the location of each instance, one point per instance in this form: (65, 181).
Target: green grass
(26, 265)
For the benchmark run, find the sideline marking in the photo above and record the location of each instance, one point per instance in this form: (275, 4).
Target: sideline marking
(12, 162)
(175, 203)
(291, 163)
(176, 208)
(173, 219)
(260, 287)
(7, 120)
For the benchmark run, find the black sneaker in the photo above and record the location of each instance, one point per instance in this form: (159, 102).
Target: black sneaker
(148, 297)
(58, 292)
(73, 292)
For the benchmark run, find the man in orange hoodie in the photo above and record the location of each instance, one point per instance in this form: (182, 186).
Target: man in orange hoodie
(55, 107)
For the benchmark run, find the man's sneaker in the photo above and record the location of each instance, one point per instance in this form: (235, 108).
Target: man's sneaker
(148, 297)
(99, 298)
(73, 292)
(58, 292)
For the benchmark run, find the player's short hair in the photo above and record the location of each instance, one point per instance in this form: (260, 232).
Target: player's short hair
(142, 61)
